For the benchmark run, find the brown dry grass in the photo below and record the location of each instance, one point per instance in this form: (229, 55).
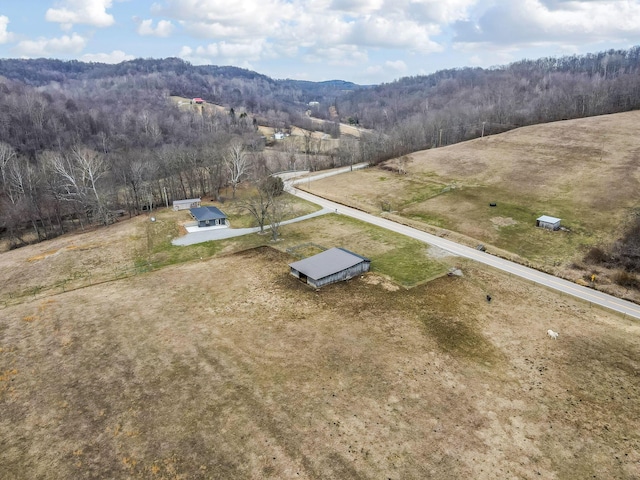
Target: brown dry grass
(228, 367)
(585, 171)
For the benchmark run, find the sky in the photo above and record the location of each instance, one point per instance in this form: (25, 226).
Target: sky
(362, 41)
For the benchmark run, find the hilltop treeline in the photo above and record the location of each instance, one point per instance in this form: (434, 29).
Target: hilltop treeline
(232, 87)
(450, 106)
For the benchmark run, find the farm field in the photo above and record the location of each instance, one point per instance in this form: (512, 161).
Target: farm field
(216, 363)
(585, 172)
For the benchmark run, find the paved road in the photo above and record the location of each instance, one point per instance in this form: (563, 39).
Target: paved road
(324, 174)
(570, 288)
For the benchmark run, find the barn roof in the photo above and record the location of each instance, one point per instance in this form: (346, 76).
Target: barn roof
(327, 263)
(548, 219)
(207, 213)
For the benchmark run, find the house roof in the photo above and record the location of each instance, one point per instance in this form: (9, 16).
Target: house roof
(327, 263)
(548, 219)
(206, 213)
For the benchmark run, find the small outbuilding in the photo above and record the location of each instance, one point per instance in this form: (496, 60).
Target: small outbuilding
(330, 266)
(550, 223)
(209, 217)
(186, 204)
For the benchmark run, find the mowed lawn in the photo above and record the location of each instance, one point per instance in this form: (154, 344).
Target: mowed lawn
(228, 367)
(137, 245)
(585, 172)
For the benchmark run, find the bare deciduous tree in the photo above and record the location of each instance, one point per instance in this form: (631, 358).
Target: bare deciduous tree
(279, 209)
(78, 175)
(237, 163)
(7, 154)
(261, 203)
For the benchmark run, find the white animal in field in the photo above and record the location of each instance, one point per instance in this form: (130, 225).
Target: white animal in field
(552, 334)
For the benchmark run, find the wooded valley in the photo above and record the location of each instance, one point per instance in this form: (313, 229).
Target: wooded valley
(82, 142)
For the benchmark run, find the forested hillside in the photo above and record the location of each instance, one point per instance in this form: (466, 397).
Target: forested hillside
(455, 105)
(79, 141)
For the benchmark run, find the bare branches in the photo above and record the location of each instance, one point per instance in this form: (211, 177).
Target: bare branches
(77, 177)
(237, 163)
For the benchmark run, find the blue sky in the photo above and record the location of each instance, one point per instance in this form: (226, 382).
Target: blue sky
(363, 41)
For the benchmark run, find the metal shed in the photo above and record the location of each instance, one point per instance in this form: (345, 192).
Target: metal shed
(186, 204)
(550, 223)
(330, 266)
(209, 216)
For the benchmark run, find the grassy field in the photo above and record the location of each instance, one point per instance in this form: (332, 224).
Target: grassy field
(228, 367)
(136, 246)
(585, 172)
(123, 356)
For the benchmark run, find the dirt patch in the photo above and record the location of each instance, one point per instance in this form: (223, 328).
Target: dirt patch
(437, 252)
(371, 279)
(503, 222)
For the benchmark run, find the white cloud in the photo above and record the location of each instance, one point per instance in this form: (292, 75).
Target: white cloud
(509, 31)
(44, 47)
(319, 25)
(396, 65)
(116, 56)
(164, 28)
(215, 18)
(87, 12)
(337, 55)
(357, 7)
(422, 11)
(438, 11)
(5, 35)
(402, 34)
(536, 22)
(185, 52)
(227, 52)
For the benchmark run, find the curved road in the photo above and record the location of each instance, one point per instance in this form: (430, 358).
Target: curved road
(587, 294)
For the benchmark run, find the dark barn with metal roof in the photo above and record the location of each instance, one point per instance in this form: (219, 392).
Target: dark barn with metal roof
(330, 266)
(208, 216)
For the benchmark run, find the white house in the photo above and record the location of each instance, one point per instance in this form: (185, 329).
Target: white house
(186, 204)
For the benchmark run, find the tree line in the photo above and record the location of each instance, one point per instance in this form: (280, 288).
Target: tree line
(82, 142)
(450, 106)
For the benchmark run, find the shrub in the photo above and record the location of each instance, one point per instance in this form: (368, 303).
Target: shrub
(625, 279)
(272, 186)
(596, 256)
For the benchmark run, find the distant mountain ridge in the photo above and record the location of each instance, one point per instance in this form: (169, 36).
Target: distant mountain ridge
(410, 114)
(196, 80)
